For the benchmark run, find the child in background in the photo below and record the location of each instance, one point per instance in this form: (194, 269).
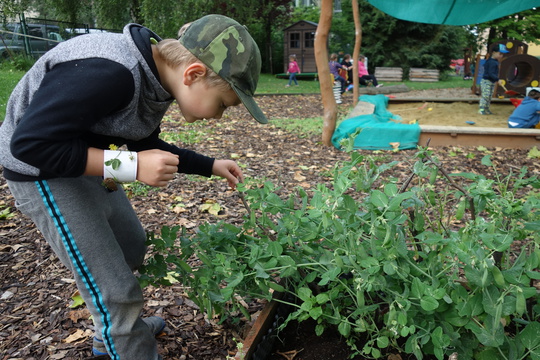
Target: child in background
(55, 149)
(490, 77)
(347, 62)
(527, 114)
(335, 66)
(364, 77)
(292, 70)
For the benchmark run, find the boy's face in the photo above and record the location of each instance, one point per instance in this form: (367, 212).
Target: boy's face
(198, 100)
(496, 55)
(206, 102)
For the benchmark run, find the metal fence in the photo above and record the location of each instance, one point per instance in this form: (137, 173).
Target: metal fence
(35, 36)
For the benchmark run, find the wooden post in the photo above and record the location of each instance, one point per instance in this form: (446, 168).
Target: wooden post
(356, 51)
(330, 109)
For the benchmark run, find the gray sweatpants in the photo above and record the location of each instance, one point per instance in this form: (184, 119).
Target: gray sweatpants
(98, 236)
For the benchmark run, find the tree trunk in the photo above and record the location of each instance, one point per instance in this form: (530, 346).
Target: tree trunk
(325, 80)
(356, 51)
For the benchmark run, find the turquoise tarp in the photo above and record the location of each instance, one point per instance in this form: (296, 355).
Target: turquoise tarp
(452, 12)
(378, 131)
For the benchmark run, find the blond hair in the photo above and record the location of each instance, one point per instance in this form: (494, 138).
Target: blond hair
(175, 54)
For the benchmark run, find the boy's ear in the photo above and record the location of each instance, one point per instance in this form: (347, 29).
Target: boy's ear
(194, 72)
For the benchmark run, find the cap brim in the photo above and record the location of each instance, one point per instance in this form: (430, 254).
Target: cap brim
(251, 105)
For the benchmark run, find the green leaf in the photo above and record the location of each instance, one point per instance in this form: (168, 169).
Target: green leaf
(316, 312)
(114, 163)
(305, 293)
(276, 287)
(486, 160)
(530, 335)
(379, 199)
(534, 153)
(390, 267)
(491, 334)
(428, 303)
(344, 328)
(261, 272)
(275, 248)
(532, 226)
(417, 288)
(453, 318)
(322, 298)
(382, 342)
(77, 301)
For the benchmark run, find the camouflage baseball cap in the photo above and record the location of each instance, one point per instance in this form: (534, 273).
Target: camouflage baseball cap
(228, 49)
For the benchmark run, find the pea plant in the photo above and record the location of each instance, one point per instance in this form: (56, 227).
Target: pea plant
(442, 263)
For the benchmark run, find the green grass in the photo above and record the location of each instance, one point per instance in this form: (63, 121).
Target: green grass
(301, 127)
(8, 79)
(269, 84)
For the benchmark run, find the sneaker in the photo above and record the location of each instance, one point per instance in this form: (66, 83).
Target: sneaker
(488, 112)
(379, 85)
(155, 323)
(482, 112)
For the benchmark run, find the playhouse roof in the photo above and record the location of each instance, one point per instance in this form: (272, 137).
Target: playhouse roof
(301, 21)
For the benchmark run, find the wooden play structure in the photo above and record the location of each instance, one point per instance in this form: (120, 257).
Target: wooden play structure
(517, 69)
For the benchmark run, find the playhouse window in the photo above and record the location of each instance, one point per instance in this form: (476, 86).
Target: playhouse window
(295, 40)
(309, 39)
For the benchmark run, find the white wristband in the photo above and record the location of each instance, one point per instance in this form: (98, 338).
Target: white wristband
(120, 165)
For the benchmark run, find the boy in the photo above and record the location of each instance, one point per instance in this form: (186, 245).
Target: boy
(96, 90)
(527, 114)
(490, 77)
(334, 70)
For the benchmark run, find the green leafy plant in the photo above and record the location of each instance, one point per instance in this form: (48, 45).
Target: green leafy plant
(6, 213)
(425, 268)
(137, 188)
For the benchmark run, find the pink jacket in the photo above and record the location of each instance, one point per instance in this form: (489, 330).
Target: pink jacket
(362, 69)
(293, 67)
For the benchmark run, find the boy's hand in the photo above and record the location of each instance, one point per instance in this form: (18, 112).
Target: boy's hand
(156, 167)
(229, 170)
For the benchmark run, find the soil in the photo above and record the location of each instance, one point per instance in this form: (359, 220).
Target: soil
(36, 321)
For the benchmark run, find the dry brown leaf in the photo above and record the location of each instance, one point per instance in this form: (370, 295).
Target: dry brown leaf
(76, 315)
(78, 336)
(298, 176)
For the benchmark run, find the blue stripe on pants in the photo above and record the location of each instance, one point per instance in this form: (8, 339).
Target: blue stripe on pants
(78, 264)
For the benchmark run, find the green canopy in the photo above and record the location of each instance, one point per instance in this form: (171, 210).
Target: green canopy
(452, 12)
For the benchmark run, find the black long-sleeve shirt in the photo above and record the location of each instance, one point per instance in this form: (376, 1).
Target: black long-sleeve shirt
(83, 102)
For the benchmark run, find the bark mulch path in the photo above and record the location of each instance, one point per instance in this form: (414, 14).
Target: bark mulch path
(36, 321)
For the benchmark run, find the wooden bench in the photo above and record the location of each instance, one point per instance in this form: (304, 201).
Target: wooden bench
(425, 75)
(389, 74)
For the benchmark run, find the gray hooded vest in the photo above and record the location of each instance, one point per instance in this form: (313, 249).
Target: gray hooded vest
(134, 122)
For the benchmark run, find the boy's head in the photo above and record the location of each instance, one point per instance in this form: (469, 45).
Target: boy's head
(227, 49)
(499, 48)
(534, 93)
(333, 57)
(292, 57)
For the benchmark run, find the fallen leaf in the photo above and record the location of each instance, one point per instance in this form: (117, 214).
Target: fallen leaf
(211, 207)
(76, 315)
(78, 336)
(298, 176)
